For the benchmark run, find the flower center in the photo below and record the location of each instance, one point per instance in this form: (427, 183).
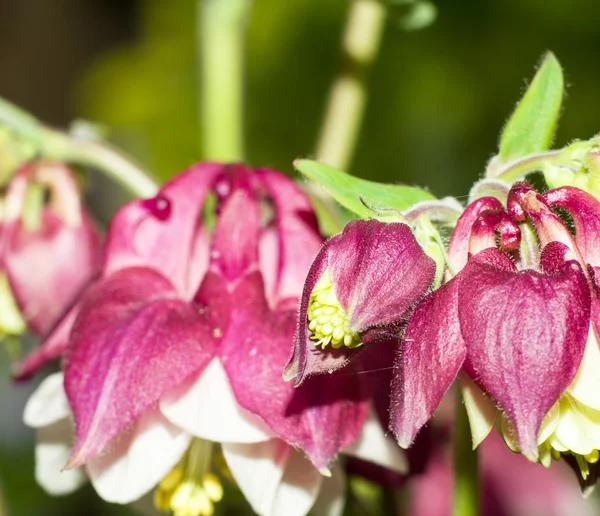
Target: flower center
(190, 489)
(327, 320)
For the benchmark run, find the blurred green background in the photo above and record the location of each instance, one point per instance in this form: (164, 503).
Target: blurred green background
(438, 99)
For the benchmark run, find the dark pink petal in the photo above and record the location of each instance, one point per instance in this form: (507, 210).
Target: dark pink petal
(427, 362)
(458, 249)
(132, 341)
(307, 359)
(525, 332)
(585, 211)
(322, 416)
(379, 272)
(162, 232)
(234, 247)
(297, 235)
(49, 267)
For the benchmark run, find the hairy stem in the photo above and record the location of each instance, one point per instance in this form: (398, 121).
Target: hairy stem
(466, 471)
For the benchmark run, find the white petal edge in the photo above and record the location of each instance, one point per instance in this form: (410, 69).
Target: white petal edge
(208, 409)
(48, 403)
(52, 452)
(274, 478)
(138, 458)
(586, 384)
(481, 410)
(374, 446)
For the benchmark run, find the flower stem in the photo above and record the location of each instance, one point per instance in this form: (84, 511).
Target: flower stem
(221, 30)
(348, 94)
(61, 146)
(466, 472)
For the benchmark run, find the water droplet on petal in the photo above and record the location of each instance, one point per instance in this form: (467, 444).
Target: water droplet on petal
(159, 206)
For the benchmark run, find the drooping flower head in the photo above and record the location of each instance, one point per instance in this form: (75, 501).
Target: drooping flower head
(360, 290)
(516, 321)
(183, 340)
(49, 247)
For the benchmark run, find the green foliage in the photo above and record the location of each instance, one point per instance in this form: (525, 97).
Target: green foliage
(531, 127)
(351, 191)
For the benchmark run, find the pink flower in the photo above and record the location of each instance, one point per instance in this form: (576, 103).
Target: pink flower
(182, 343)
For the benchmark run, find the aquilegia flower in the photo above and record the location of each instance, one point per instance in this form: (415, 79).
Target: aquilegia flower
(520, 324)
(181, 345)
(49, 250)
(360, 290)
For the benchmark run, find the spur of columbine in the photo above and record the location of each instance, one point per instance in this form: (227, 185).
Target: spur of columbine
(181, 345)
(519, 320)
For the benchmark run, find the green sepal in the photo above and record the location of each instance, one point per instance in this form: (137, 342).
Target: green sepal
(11, 320)
(430, 240)
(531, 126)
(359, 195)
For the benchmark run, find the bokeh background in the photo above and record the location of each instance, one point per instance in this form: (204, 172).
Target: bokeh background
(438, 99)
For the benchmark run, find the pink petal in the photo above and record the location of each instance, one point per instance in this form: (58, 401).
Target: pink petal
(379, 272)
(48, 268)
(138, 459)
(297, 234)
(321, 417)
(431, 355)
(585, 212)
(205, 406)
(162, 232)
(525, 333)
(234, 247)
(458, 249)
(132, 342)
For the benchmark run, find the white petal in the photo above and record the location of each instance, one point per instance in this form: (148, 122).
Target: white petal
(480, 409)
(332, 495)
(48, 404)
(52, 451)
(373, 445)
(273, 477)
(258, 470)
(208, 409)
(586, 385)
(138, 458)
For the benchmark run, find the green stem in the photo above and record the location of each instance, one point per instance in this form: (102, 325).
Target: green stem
(466, 473)
(71, 149)
(60, 146)
(348, 94)
(221, 35)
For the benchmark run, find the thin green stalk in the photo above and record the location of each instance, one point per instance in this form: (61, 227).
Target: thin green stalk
(221, 35)
(61, 146)
(466, 471)
(348, 94)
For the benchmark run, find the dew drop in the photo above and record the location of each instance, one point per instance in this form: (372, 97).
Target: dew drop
(159, 206)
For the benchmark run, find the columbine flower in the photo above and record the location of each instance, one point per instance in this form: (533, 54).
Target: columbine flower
(182, 343)
(50, 251)
(360, 289)
(518, 328)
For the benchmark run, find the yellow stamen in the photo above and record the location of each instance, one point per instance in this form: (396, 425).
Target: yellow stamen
(190, 489)
(327, 320)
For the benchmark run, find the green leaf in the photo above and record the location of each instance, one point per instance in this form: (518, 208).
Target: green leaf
(531, 127)
(348, 190)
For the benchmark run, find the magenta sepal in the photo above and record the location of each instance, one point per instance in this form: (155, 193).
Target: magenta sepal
(133, 341)
(322, 416)
(427, 362)
(379, 272)
(525, 332)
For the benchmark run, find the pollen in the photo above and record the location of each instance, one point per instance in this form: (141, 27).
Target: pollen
(190, 488)
(327, 320)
